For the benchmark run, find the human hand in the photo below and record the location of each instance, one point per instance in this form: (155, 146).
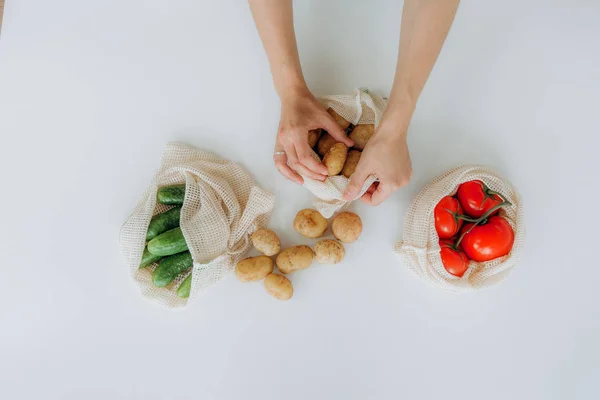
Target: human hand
(300, 113)
(387, 157)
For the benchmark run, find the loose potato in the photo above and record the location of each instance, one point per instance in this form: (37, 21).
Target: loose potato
(294, 259)
(335, 158)
(351, 163)
(329, 251)
(314, 136)
(266, 241)
(279, 286)
(253, 268)
(325, 143)
(346, 226)
(338, 118)
(310, 223)
(361, 135)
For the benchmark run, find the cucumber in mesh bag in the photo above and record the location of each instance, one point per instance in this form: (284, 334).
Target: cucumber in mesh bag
(169, 243)
(170, 267)
(163, 222)
(173, 194)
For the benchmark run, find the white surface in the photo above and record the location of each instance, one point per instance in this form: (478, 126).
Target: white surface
(90, 92)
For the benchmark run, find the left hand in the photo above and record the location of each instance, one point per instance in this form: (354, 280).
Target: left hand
(387, 157)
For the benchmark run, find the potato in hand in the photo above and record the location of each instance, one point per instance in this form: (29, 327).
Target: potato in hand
(361, 134)
(335, 159)
(339, 119)
(313, 137)
(325, 143)
(351, 162)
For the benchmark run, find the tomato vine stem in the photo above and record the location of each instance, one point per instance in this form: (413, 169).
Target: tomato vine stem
(477, 221)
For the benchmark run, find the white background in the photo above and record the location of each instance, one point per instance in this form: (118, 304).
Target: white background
(90, 92)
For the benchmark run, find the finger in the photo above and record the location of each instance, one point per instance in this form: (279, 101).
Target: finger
(357, 180)
(336, 131)
(305, 157)
(297, 166)
(285, 170)
(383, 192)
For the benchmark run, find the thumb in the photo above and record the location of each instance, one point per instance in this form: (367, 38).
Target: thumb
(335, 130)
(357, 181)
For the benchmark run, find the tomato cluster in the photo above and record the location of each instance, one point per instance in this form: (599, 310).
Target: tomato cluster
(470, 228)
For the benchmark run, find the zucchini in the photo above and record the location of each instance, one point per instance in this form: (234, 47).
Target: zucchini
(169, 243)
(173, 194)
(163, 222)
(170, 267)
(183, 290)
(148, 258)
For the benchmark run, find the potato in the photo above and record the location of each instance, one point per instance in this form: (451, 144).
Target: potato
(253, 268)
(329, 251)
(351, 163)
(361, 135)
(266, 241)
(335, 158)
(338, 118)
(314, 136)
(325, 143)
(346, 226)
(310, 223)
(294, 259)
(279, 287)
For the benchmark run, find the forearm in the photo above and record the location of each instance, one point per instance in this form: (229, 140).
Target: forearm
(425, 25)
(274, 21)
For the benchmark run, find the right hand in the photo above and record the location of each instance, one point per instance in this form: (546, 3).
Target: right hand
(300, 113)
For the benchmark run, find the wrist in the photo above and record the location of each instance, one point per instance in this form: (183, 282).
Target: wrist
(395, 120)
(290, 84)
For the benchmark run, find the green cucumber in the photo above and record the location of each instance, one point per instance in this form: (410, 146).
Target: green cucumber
(170, 267)
(171, 194)
(169, 243)
(148, 258)
(183, 290)
(163, 222)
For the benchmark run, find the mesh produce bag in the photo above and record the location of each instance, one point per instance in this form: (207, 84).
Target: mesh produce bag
(222, 207)
(362, 107)
(419, 250)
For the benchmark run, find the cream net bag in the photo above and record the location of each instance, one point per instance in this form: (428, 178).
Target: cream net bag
(222, 207)
(419, 250)
(361, 108)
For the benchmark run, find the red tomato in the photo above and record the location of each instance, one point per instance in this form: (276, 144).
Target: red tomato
(486, 242)
(455, 262)
(447, 223)
(476, 198)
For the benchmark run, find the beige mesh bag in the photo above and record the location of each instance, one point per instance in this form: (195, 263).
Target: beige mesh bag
(362, 107)
(222, 207)
(419, 250)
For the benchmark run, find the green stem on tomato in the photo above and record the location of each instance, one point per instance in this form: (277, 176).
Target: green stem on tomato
(466, 218)
(481, 219)
(489, 194)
